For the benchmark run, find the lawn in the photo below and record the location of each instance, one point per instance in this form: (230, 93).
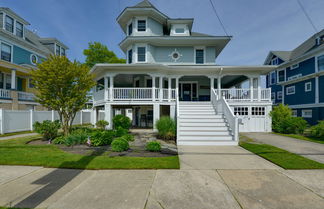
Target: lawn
(280, 157)
(16, 133)
(17, 152)
(302, 137)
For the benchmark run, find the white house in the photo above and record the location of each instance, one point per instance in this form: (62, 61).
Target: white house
(171, 71)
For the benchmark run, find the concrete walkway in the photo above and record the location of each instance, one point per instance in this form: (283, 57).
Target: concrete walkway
(226, 178)
(17, 136)
(311, 150)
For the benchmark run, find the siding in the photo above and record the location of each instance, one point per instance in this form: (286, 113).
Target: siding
(202, 81)
(300, 96)
(317, 112)
(321, 88)
(305, 68)
(210, 55)
(161, 54)
(1, 19)
(22, 56)
(275, 89)
(155, 27)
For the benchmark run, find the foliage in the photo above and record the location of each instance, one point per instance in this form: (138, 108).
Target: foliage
(62, 86)
(79, 137)
(122, 121)
(166, 128)
(101, 138)
(99, 53)
(318, 130)
(102, 124)
(59, 140)
(293, 125)
(87, 128)
(48, 129)
(119, 145)
(153, 146)
(278, 114)
(128, 137)
(120, 132)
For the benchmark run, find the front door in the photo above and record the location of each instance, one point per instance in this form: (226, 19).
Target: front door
(186, 92)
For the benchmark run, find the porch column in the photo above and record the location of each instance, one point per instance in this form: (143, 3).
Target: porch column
(111, 87)
(259, 88)
(153, 88)
(161, 88)
(283, 94)
(251, 88)
(173, 111)
(106, 88)
(177, 87)
(169, 89)
(108, 115)
(13, 79)
(212, 83)
(156, 115)
(219, 86)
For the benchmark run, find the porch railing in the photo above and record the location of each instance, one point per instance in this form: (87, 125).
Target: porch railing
(26, 96)
(233, 95)
(5, 94)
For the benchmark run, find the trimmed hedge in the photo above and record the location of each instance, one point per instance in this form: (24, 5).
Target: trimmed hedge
(119, 145)
(153, 146)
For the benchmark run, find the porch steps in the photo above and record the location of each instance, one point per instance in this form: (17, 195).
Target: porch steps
(200, 125)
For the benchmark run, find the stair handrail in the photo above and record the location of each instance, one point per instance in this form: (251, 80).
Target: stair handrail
(221, 106)
(177, 114)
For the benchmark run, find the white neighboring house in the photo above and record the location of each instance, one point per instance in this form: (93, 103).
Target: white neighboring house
(171, 71)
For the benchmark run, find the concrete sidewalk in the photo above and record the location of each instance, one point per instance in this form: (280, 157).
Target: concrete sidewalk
(18, 136)
(311, 150)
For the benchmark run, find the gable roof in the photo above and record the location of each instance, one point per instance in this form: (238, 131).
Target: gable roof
(144, 4)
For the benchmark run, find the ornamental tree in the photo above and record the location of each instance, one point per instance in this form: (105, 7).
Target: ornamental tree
(62, 86)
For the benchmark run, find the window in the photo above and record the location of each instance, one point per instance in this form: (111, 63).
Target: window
(307, 113)
(294, 66)
(1, 80)
(279, 95)
(33, 59)
(179, 30)
(141, 54)
(62, 51)
(258, 110)
(290, 90)
(9, 25)
(275, 61)
(241, 110)
(308, 86)
(272, 77)
(149, 82)
(141, 25)
(30, 83)
(294, 77)
(320, 63)
(58, 49)
(19, 29)
(199, 56)
(6, 52)
(130, 29)
(273, 96)
(8, 81)
(130, 56)
(294, 113)
(281, 76)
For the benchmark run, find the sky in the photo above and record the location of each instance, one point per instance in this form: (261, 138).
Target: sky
(257, 26)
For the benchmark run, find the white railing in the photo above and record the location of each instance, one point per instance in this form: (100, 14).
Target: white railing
(132, 93)
(98, 95)
(221, 106)
(234, 95)
(26, 96)
(5, 94)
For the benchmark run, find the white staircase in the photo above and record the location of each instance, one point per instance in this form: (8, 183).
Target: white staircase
(199, 124)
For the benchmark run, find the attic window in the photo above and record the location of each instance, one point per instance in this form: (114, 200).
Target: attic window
(179, 30)
(9, 24)
(275, 61)
(130, 29)
(19, 29)
(319, 40)
(141, 25)
(58, 49)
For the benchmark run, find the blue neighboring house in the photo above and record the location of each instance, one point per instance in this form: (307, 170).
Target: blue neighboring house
(298, 80)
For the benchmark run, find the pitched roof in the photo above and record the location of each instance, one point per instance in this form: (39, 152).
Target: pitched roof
(284, 55)
(144, 4)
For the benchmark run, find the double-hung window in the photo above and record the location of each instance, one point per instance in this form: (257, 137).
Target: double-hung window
(58, 49)
(320, 63)
(9, 24)
(281, 76)
(130, 29)
(62, 51)
(141, 54)
(8, 81)
(5, 52)
(308, 86)
(272, 77)
(19, 29)
(290, 90)
(141, 25)
(200, 56)
(275, 61)
(130, 56)
(279, 95)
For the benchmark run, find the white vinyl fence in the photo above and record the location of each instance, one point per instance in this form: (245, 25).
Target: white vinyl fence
(23, 120)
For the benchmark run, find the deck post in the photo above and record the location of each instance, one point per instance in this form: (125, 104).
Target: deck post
(111, 87)
(219, 86)
(108, 115)
(251, 88)
(259, 88)
(161, 88)
(106, 89)
(212, 83)
(156, 115)
(153, 87)
(13, 79)
(169, 89)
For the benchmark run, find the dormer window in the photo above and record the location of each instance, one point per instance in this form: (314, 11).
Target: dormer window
(179, 30)
(9, 24)
(141, 25)
(275, 61)
(130, 29)
(62, 51)
(19, 30)
(58, 49)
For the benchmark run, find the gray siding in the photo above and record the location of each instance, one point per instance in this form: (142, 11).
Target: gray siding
(1, 19)
(202, 82)
(161, 54)
(210, 55)
(155, 27)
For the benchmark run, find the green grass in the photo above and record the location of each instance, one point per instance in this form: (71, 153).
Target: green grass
(16, 133)
(280, 157)
(17, 152)
(302, 137)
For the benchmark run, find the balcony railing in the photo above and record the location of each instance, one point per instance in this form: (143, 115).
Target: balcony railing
(5, 94)
(26, 96)
(236, 95)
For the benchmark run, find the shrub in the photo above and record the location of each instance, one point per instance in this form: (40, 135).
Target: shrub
(87, 129)
(128, 137)
(120, 132)
(76, 138)
(318, 130)
(119, 145)
(102, 124)
(166, 128)
(278, 114)
(101, 138)
(153, 146)
(293, 125)
(48, 129)
(59, 140)
(122, 121)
